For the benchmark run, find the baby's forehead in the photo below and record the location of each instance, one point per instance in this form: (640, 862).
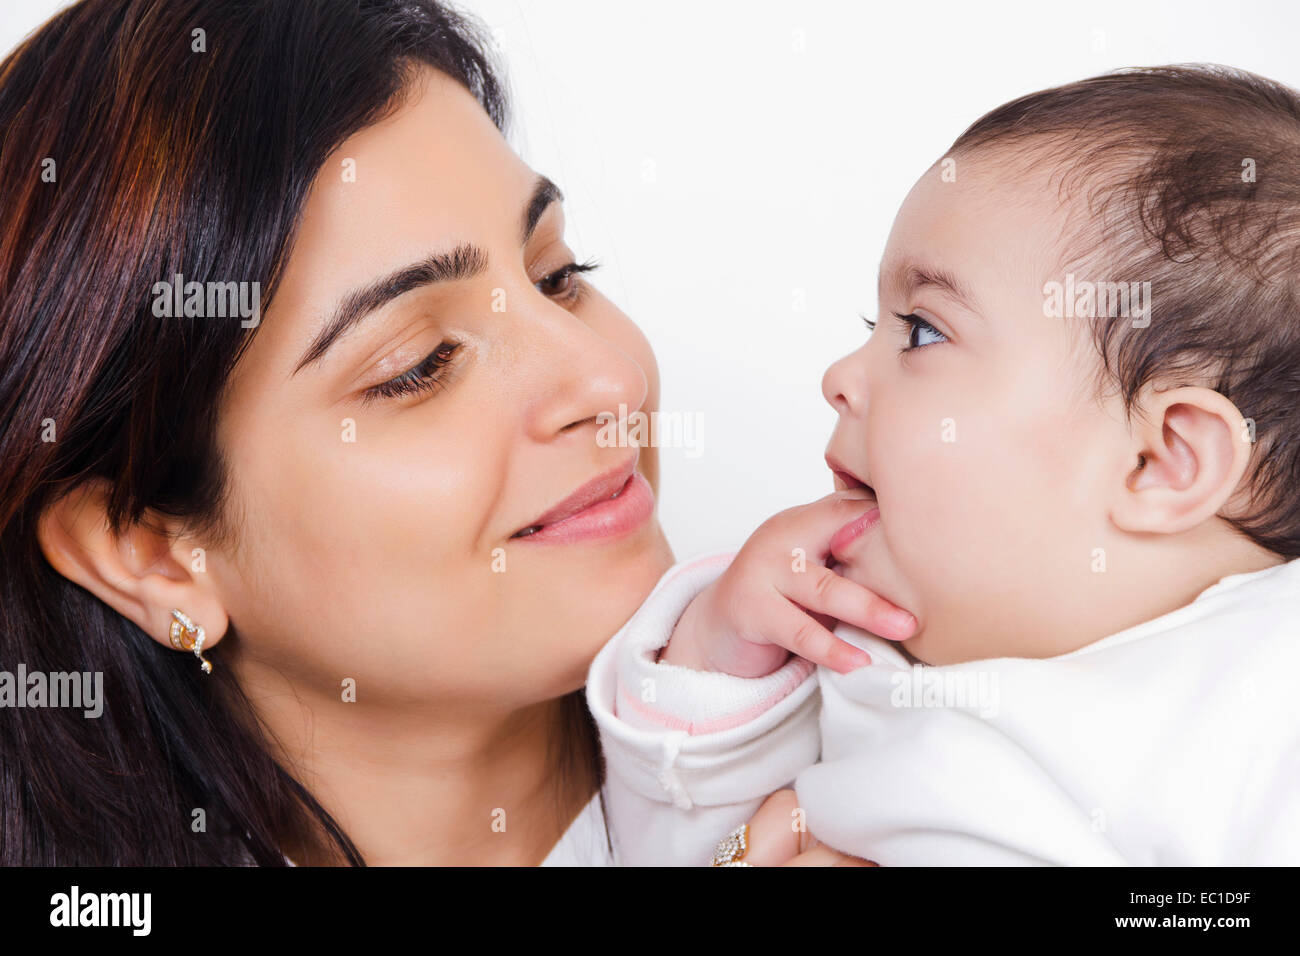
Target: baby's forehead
(955, 239)
(1055, 185)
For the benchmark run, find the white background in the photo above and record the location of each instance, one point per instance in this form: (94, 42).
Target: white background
(727, 161)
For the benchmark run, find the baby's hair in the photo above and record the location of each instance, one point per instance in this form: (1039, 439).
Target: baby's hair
(1191, 175)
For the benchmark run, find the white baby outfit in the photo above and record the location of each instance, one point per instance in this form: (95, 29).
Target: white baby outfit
(1174, 742)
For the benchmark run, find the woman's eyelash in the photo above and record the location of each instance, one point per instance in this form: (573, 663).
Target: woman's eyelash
(575, 289)
(425, 377)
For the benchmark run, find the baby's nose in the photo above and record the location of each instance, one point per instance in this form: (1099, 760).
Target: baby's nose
(843, 387)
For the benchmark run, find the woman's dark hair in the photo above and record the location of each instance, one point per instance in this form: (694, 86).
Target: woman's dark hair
(1191, 181)
(140, 139)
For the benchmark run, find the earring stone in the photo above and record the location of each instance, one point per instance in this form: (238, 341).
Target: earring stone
(185, 635)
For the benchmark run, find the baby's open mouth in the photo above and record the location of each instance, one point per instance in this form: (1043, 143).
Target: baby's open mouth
(847, 481)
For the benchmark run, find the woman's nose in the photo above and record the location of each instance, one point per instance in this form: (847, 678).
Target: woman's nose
(844, 384)
(582, 378)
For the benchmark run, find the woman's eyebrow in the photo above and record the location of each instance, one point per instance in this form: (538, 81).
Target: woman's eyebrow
(545, 192)
(463, 262)
(909, 277)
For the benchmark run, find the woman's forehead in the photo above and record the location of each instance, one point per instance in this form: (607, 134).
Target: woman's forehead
(435, 174)
(436, 166)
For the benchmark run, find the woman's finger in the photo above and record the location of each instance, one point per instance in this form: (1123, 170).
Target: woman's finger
(773, 838)
(822, 855)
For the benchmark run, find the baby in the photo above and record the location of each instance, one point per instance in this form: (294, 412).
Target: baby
(1070, 448)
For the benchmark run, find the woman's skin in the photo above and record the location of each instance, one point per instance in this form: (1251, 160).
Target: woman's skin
(388, 563)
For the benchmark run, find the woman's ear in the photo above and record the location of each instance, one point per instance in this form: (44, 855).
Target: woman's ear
(142, 574)
(1188, 457)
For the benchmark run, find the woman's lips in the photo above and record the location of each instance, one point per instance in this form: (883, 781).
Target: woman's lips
(855, 529)
(592, 513)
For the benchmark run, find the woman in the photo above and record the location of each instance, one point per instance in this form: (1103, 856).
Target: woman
(320, 555)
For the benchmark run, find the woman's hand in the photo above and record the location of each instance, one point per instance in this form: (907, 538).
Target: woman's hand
(773, 840)
(779, 596)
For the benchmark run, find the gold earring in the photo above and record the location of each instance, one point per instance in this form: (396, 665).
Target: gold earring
(187, 636)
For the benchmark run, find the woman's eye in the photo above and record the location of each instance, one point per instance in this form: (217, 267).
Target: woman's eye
(563, 284)
(425, 377)
(920, 333)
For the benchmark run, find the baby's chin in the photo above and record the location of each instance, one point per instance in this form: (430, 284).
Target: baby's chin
(856, 570)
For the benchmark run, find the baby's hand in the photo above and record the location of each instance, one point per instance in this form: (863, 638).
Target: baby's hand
(770, 602)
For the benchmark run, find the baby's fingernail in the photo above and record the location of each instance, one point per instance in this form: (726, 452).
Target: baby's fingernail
(902, 624)
(857, 658)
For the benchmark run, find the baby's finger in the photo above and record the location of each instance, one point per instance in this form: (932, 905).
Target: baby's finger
(792, 627)
(821, 590)
(812, 526)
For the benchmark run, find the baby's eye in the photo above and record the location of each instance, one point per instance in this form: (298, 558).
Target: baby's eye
(920, 332)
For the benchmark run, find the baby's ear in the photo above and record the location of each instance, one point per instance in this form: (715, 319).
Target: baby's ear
(1191, 448)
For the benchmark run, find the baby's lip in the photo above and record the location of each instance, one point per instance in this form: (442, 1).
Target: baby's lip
(842, 540)
(855, 488)
(846, 480)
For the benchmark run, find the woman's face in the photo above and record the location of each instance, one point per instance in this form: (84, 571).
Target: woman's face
(380, 479)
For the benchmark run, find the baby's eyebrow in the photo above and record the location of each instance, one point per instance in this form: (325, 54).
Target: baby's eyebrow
(909, 277)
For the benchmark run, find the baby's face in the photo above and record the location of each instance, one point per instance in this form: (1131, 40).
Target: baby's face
(993, 465)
